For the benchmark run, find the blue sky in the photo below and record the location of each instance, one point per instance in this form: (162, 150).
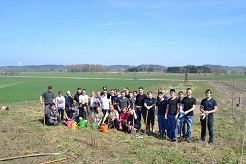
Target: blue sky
(132, 32)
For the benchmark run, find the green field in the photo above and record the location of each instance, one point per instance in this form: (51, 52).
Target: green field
(21, 89)
(22, 131)
(29, 86)
(123, 75)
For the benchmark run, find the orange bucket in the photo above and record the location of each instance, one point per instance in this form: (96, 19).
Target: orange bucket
(104, 128)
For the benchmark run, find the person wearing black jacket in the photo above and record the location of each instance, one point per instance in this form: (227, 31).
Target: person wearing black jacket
(76, 96)
(68, 104)
(106, 89)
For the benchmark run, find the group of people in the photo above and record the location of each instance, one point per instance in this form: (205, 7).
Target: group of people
(124, 110)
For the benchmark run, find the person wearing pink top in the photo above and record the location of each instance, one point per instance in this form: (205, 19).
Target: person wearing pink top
(123, 120)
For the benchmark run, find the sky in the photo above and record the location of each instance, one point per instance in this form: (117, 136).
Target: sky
(127, 32)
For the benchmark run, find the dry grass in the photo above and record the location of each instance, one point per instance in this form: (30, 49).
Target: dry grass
(22, 132)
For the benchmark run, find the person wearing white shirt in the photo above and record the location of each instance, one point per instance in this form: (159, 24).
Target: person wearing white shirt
(60, 104)
(105, 102)
(83, 102)
(83, 98)
(92, 102)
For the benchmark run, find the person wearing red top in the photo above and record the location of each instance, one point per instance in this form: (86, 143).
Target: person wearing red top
(123, 120)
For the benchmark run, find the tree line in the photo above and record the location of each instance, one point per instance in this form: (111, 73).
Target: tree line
(189, 69)
(86, 68)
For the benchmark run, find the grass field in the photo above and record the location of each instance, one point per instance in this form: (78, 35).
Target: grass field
(137, 75)
(21, 89)
(29, 87)
(22, 131)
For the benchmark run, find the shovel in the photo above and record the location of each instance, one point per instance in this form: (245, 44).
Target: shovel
(180, 132)
(44, 115)
(147, 112)
(206, 137)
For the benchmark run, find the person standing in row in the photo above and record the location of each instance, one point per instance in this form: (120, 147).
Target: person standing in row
(124, 102)
(76, 97)
(189, 104)
(140, 103)
(133, 96)
(92, 102)
(172, 115)
(49, 98)
(160, 90)
(161, 107)
(180, 118)
(105, 102)
(83, 98)
(83, 104)
(68, 104)
(113, 96)
(208, 108)
(127, 92)
(97, 99)
(105, 88)
(149, 112)
(60, 104)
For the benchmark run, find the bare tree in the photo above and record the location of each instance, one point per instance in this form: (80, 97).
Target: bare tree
(235, 90)
(217, 72)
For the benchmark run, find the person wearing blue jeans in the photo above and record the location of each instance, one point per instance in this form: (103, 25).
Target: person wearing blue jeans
(162, 122)
(188, 105)
(180, 107)
(208, 108)
(161, 107)
(180, 122)
(210, 125)
(172, 115)
(187, 120)
(171, 130)
(53, 122)
(138, 113)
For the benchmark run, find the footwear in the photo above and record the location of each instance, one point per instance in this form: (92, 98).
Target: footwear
(148, 133)
(203, 139)
(210, 142)
(173, 140)
(163, 137)
(188, 140)
(55, 123)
